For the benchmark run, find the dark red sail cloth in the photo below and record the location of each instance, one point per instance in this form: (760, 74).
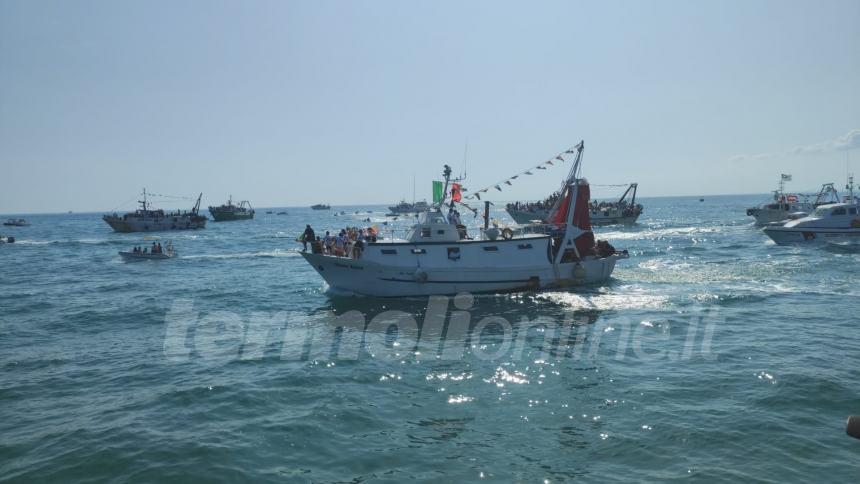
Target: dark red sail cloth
(580, 212)
(585, 242)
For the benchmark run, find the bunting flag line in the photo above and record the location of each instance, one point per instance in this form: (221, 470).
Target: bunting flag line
(509, 181)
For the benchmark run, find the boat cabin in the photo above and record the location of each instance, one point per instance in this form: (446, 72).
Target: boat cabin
(433, 227)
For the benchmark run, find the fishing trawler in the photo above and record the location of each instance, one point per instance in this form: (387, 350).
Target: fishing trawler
(16, 222)
(622, 211)
(437, 257)
(147, 220)
(405, 207)
(785, 206)
(320, 206)
(834, 223)
(229, 211)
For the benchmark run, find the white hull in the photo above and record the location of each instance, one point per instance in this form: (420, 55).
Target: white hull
(147, 256)
(766, 216)
(788, 236)
(510, 267)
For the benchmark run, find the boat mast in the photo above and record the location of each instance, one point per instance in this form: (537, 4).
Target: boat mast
(143, 202)
(197, 205)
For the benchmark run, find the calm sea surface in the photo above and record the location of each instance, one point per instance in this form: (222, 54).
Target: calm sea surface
(712, 355)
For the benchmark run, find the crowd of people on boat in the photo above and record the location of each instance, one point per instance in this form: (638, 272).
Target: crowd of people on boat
(349, 242)
(156, 249)
(541, 205)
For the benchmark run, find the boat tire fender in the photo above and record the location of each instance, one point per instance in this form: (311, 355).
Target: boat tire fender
(507, 233)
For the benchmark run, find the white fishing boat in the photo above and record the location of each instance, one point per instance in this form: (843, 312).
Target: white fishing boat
(836, 223)
(437, 257)
(154, 252)
(785, 206)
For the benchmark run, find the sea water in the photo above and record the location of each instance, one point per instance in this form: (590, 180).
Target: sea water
(711, 354)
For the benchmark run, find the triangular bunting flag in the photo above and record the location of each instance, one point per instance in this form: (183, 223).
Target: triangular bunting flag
(498, 188)
(559, 158)
(509, 182)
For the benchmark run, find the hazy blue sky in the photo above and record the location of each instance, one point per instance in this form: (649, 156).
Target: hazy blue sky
(293, 103)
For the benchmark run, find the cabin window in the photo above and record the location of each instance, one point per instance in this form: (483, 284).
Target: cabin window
(524, 246)
(389, 251)
(454, 253)
(440, 232)
(839, 211)
(852, 211)
(491, 248)
(425, 231)
(419, 251)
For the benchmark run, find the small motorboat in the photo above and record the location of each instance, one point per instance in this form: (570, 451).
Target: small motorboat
(283, 213)
(166, 253)
(7, 240)
(16, 222)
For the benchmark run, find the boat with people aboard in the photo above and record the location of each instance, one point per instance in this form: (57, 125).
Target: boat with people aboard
(320, 206)
(440, 257)
(623, 211)
(146, 219)
(834, 223)
(785, 206)
(154, 252)
(405, 207)
(230, 211)
(16, 222)
(7, 239)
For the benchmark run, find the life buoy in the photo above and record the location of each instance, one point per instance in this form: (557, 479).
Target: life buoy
(507, 233)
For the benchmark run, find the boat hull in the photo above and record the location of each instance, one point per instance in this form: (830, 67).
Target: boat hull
(789, 236)
(230, 216)
(139, 256)
(597, 218)
(119, 224)
(370, 278)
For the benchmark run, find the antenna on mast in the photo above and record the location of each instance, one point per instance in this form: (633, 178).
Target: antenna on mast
(465, 159)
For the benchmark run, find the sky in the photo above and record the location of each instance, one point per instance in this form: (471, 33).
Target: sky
(289, 103)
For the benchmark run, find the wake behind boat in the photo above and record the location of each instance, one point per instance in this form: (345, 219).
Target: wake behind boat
(439, 257)
(148, 220)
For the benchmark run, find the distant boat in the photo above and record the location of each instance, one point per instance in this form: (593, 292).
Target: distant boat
(321, 206)
(835, 223)
(148, 220)
(269, 212)
(229, 211)
(7, 240)
(16, 222)
(282, 213)
(405, 207)
(701, 199)
(786, 204)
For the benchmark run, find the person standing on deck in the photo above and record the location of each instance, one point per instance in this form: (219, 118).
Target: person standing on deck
(308, 236)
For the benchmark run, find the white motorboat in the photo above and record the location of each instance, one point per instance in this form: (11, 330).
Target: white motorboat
(437, 257)
(145, 254)
(836, 223)
(785, 206)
